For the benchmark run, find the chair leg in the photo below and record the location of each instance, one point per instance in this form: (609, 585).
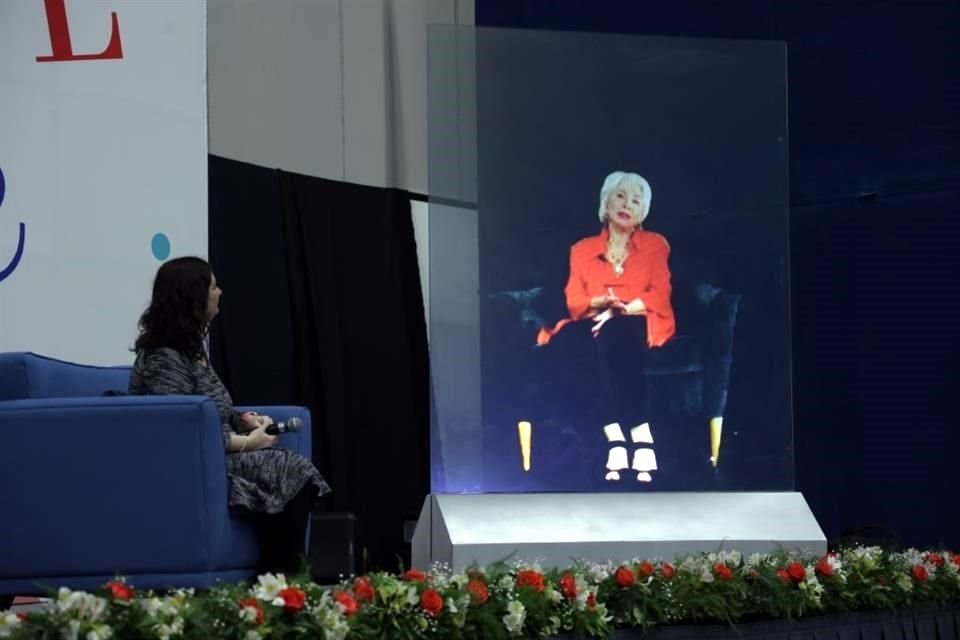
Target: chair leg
(716, 433)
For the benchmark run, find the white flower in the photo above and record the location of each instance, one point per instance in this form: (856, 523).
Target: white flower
(949, 566)
(835, 562)
(706, 575)
(329, 615)
(601, 611)
(913, 556)
(248, 614)
(506, 583)
(690, 565)
(269, 586)
(100, 633)
(868, 556)
(734, 557)
(84, 605)
(554, 627)
(757, 559)
(150, 605)
(460, 580)
(583, 594)
(8, 622)
(253, 634)
(166, 631)
(413, 598)
(166, 613)
(553, 595)
(811, 583)
(516, 614)
(598, 573)
(72, 632)
(904, 582)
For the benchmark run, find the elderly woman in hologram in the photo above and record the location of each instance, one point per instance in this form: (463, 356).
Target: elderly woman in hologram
(618, 298)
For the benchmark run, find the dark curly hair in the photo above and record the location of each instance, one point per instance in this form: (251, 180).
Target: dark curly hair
(177, 315)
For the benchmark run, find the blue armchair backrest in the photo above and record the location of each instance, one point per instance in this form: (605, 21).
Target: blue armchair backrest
(28, 375)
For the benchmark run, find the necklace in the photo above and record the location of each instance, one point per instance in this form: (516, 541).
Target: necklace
(617, 258)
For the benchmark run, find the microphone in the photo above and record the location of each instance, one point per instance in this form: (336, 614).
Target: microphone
(291, 425)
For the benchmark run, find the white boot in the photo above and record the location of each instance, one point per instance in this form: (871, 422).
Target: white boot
(644, 461)
(641, 433)
(617, 457)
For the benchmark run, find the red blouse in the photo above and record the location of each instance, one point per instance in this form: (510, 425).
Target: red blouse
(645, 276)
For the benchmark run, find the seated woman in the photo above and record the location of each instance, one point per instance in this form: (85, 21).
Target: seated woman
(276, 486)
(618, 297)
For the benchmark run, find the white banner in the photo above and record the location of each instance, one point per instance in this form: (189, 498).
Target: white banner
(103, 154)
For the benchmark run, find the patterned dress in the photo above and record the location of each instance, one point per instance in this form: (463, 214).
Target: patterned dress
(261, 481)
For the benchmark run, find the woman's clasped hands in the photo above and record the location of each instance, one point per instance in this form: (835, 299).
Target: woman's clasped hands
(613, 306)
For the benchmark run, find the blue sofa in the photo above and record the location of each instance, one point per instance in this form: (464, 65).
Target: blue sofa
(93, 486)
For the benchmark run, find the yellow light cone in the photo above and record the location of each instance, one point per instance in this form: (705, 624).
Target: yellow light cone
(716, 433)
(524, 430)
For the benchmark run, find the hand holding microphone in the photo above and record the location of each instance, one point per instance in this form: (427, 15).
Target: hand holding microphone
(262, 432)
(291, 425)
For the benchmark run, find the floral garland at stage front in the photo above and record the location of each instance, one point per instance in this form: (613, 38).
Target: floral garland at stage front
(509, 600)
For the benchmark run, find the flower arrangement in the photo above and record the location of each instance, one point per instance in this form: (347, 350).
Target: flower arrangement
(508, 600)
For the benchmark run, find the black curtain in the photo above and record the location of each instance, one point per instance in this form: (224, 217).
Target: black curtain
(323, 308)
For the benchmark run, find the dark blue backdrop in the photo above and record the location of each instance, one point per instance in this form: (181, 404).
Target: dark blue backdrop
(874, 100)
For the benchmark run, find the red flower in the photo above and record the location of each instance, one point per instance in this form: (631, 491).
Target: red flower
(346, 601)
(363, 590)
(624, 577)
(644, 569)
(722, 571)
(920, 573)
(955, 558)
(824, 568)
(119, 590)
(530, 578)
(412, 575)
(754, 573)
(294, 599)
(935, 559)
(568, 586)
(796, 572)
(254, 604)
(478, 591)
(21, 616)
(667, 570)
(783, 575)
(592, 601)
(431, 602)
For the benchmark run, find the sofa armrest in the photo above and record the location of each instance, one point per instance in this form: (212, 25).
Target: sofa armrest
(722, 308)
(102, 485)
(301, 441)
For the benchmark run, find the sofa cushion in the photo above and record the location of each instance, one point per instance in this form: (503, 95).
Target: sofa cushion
(13, 376)
(52, 378)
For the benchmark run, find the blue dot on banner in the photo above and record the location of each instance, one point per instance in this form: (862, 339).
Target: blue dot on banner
(160, 245)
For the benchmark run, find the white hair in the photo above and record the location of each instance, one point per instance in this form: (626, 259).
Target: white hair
(631, 181)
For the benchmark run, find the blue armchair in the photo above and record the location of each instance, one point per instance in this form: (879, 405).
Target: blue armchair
(94, 485)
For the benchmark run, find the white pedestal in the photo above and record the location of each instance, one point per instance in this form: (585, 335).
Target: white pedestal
(555, 528)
